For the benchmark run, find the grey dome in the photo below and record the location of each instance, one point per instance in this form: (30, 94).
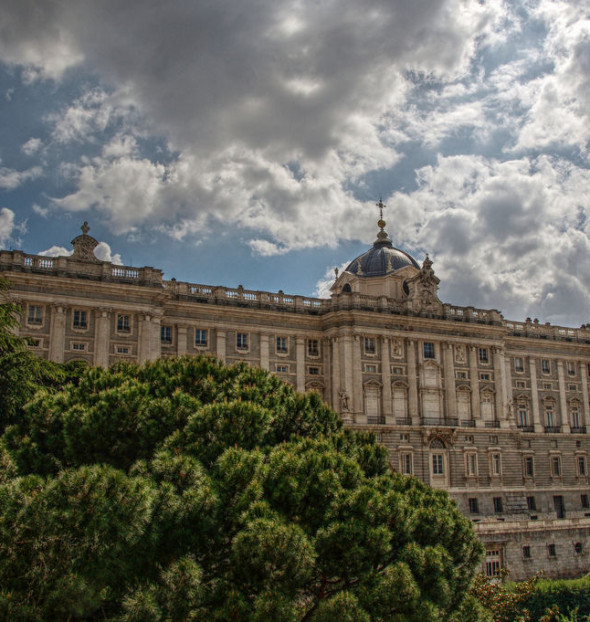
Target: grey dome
(382, 259)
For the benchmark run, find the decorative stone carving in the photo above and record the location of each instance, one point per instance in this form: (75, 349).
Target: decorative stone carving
(84, 246)
(423, 287)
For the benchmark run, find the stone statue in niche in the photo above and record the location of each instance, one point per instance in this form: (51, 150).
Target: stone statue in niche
(397, 349)
(344, 401)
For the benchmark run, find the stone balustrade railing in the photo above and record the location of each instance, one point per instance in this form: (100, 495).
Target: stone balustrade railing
(147, 276)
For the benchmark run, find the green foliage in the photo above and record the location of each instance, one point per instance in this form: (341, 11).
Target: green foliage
(21, 372)
(565, 595)
(187, 490)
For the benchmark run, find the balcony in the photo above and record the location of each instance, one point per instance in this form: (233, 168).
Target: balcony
(378, 420)
(581, 429)
(403, 421)
(467, 423)
(448, 422)
(492, 424)
(526, 428)
(552, 429)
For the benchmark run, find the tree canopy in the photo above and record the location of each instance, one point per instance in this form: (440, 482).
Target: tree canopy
(188, 490)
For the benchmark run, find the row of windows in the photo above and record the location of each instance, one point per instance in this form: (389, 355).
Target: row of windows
(498, 502)
(545, 366)
(242, 341)
(472, 465)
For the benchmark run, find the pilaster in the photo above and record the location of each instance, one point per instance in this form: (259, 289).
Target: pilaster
(264, 352)
(475, 397)
(300, 358)
(413, 409)
(535, 396)
(57, 333)
(449, 384)
(182, 335)
(387, 404)
(586, 398)
(564, 415)
(102, 337)
(220, 345)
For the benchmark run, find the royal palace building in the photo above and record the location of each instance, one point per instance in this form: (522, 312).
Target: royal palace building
(493, 411)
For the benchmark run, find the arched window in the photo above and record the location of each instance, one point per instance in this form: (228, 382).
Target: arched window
(347, 289)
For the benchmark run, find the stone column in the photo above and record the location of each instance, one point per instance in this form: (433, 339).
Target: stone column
(413, 406)
(499, 383)
(102, 337)
(182, 336)
(148, 325)
(156, 341)
(585, 397)
(300, 358)
(220, 346)
(475, 398)
(264, 352)
(337, 385)
(450, 390)
(357, 381)
(564, 415)
(508, 391)
(346, 364)
(535, 397)
(57, 334)
(386, 379)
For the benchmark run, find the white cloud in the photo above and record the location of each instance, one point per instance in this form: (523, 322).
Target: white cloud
(56, 251)
(31, 146)
(7, 225)
(322, 287)
(40, 211)
(11, 179)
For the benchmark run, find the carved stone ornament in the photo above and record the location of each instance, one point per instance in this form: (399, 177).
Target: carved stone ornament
(344, 401)
(84, 246)
(423, 297)
(446, 435)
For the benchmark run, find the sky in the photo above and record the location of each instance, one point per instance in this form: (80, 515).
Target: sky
(247, 142)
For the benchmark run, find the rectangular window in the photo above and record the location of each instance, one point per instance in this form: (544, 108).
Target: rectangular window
(282, 369)
(518, 364)
(581, 465)
(545, 366)
(522, 417)
(282, 345)
(531, 504)
(473, 505)
(556, 466)
(520, 384)
(493, 563)
(200, 337)
(471, 464)
(496, 464)
(314, 371)
(547, 386)
(484, 376)
(498, 505)
(529, 466)
(406, 463)
(585, 501)
(34, 343)
(526, 552)
(371, 369)
(437, 464)
(80, 347)
(35, 315)
(123, 323)
(166, 334)
(551, 550)
(313, 347)
(572, 387)
(428, 350)
(483, 355)
(369, 345)
(122, 349)
(571, 368)
(549, 418)
(462, 375)
(80, 319)
(242, 341)
(397, 371)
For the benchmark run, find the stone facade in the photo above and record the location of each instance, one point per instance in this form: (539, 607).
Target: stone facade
(493, 411)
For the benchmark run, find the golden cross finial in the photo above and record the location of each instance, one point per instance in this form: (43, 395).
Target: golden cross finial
(381, 205)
